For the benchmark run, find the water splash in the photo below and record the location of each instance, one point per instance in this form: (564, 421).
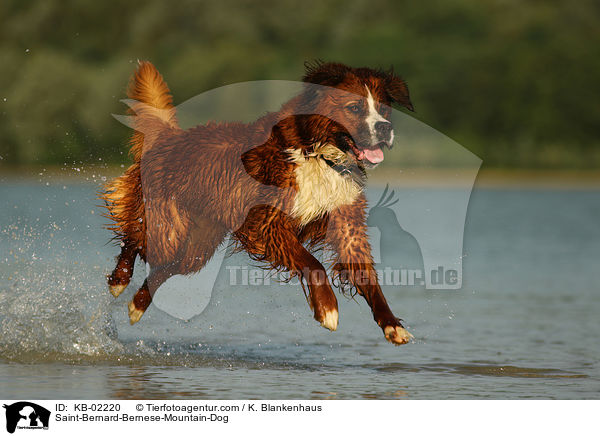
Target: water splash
(38, 319)
(51, 306)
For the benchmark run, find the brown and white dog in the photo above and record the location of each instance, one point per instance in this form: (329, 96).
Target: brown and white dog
(284, 185)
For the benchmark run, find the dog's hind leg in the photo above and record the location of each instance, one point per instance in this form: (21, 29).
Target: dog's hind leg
(121, 275)
(143, 297)
(201, 243)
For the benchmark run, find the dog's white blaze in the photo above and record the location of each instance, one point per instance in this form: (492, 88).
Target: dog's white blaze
(373, 117)
(320, 188)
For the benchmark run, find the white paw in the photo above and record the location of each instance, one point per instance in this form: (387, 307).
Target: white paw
(134, 313)
(330, 320)
(397, 335)
(116, 290)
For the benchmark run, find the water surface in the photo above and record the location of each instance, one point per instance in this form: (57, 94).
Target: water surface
(525, 324)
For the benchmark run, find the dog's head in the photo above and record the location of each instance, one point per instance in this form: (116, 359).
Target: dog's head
(358, 103)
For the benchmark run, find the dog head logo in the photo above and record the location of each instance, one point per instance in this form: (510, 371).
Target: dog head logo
(26, 415)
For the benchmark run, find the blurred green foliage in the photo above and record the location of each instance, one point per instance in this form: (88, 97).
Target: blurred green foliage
(515, 82)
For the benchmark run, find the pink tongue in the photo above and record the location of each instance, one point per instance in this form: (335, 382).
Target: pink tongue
(374, 156)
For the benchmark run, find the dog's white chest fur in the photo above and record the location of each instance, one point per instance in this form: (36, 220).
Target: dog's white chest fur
(320, 188)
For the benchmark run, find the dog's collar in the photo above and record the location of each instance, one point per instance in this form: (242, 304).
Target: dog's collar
(354, 171)
(342, 169)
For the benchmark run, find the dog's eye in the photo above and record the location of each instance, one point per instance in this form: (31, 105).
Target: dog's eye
(354, 108)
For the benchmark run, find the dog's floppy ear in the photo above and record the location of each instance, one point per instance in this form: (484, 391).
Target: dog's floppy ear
(326, 74)
(397, 90)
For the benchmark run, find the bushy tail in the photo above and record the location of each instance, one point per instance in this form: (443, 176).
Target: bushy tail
(152, 110)
(152, 104)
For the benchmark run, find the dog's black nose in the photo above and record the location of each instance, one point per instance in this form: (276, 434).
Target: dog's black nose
(383, 127)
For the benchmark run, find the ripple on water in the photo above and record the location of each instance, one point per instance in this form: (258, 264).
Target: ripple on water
(493, 370)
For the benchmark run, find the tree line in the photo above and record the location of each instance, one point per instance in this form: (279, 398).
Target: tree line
(515, 82)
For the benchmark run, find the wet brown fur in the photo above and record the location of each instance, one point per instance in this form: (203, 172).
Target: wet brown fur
(187, 189)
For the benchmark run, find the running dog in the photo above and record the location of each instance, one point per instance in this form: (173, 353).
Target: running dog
(287, 184)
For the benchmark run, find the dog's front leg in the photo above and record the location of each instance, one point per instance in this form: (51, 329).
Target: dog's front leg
(321, 298)
(268, 235)
(347, 235)
(292, 255)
